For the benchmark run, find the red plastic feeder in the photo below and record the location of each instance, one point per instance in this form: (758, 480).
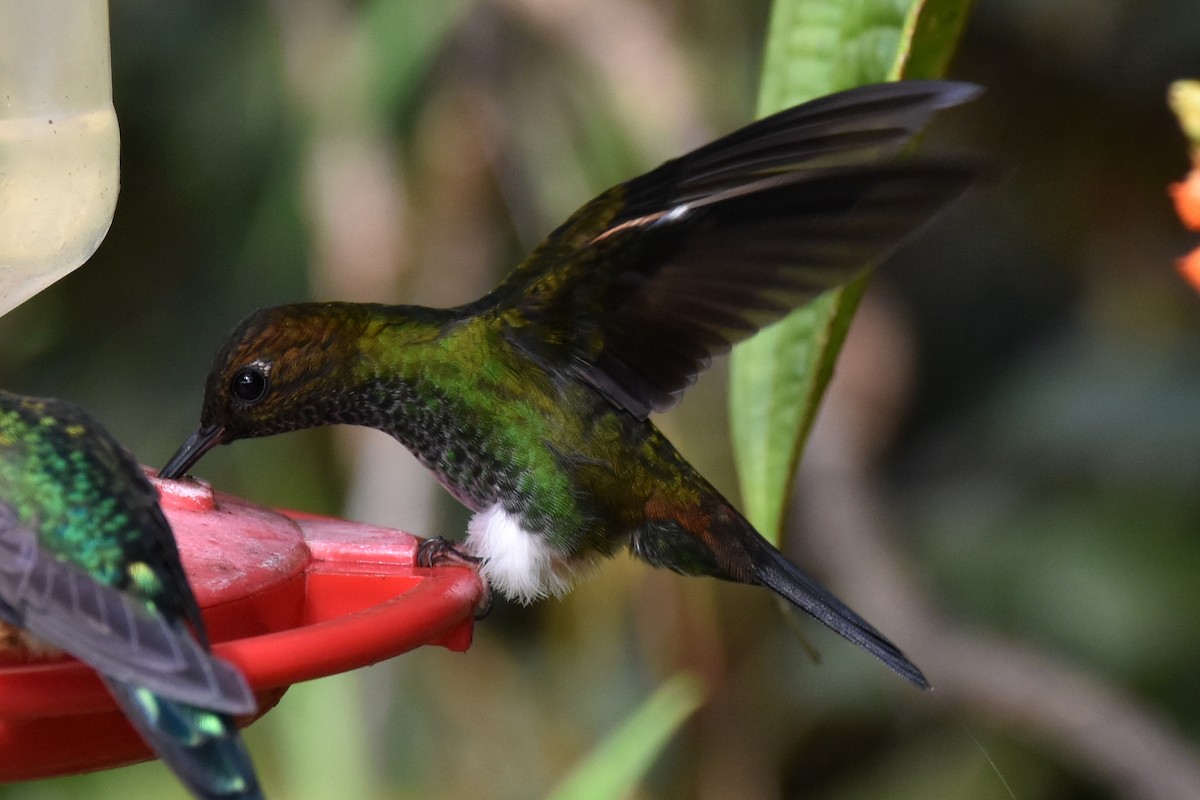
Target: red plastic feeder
(286, 597)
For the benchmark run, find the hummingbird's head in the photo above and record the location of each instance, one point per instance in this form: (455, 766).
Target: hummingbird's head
(281, 369)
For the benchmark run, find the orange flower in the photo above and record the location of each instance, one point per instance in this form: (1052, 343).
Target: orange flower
(1189, 268)
(1187, 199)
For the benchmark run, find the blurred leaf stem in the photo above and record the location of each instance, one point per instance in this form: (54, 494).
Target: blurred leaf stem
(616, 765)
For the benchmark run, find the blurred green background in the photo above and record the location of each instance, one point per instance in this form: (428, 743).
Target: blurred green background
(1004, 479)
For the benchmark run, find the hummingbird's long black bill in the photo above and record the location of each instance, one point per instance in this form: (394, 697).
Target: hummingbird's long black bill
(199, 443)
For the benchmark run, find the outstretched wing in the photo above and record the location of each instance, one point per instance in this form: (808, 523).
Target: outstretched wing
(106, 628)
(642, 286)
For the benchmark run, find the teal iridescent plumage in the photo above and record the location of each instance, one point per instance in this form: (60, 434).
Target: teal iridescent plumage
(88, 565)
(530, 405)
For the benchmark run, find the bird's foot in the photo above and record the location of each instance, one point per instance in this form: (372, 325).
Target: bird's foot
(439, 552)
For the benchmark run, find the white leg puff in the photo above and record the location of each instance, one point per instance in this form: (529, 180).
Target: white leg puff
(520, 565)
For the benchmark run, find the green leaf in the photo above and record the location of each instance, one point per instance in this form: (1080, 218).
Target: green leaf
(930, 37)
(777, 378)
(614, 768)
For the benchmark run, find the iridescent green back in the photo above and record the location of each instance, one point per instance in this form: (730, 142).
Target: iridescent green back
(68, 479)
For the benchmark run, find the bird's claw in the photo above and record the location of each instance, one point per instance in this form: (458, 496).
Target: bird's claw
(439, 552)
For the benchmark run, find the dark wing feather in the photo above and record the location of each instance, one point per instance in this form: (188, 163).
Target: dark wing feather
(641, 287)
(868, 123)
(106, 628)
(736, 264)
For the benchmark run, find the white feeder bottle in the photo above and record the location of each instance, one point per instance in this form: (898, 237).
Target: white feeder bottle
(59, 145)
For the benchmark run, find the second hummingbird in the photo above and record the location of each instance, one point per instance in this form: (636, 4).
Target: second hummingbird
(88, 565)
(530, 405)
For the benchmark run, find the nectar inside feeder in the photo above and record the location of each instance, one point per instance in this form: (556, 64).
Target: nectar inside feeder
(59, 142)
(286, 597)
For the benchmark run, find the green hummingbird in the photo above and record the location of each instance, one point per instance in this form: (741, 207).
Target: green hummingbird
(89, 566)
(531, 404)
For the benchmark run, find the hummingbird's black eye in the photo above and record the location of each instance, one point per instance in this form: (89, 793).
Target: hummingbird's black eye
(249, 384)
